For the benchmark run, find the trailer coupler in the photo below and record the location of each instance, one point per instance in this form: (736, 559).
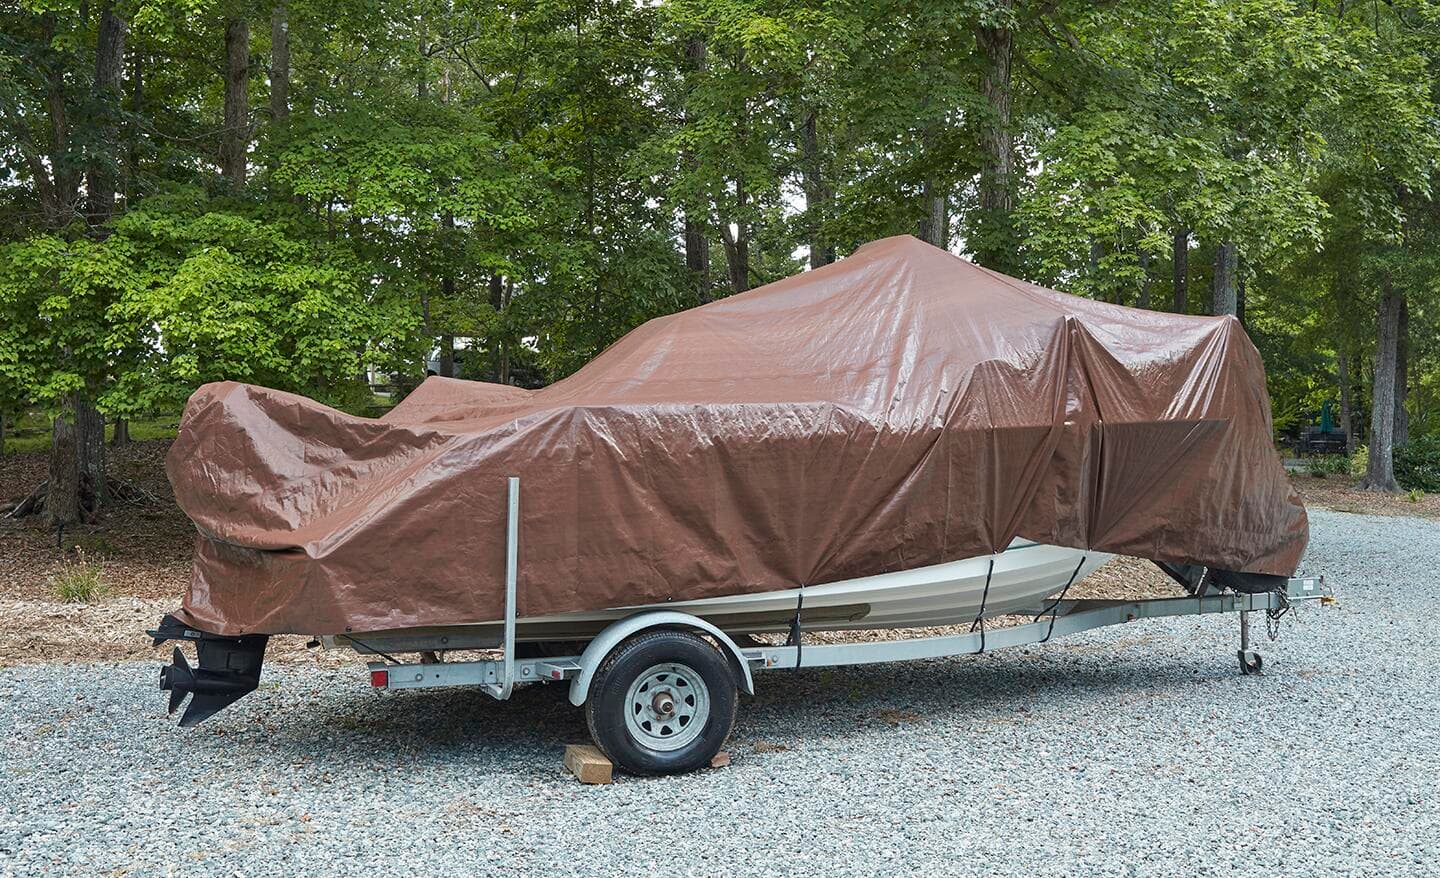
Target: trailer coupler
(228, 669)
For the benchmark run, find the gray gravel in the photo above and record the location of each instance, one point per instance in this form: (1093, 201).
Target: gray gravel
(1131, 751)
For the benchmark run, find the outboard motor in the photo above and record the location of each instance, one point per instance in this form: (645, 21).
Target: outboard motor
(229, 669)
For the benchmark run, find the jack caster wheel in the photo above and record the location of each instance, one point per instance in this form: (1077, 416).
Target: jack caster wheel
(1250, 662)
(662, 703)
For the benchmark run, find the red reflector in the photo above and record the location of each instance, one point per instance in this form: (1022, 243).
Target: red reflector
(379, 679)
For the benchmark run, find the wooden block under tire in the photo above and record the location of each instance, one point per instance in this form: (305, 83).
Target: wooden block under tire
(587, 763)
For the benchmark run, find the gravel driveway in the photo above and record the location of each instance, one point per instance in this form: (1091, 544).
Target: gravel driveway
(1129, 751)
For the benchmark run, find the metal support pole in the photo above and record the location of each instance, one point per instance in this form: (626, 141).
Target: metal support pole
(506, 685)
(1244, 630)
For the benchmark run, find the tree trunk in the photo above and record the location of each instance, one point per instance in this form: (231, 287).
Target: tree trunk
(2, 433)
(122, 432)
(62, 502)
(933, 226)
(1380, 474)
(1093, 269)
(63, 191)
(494, 343)
(137, 107)
(1402, 374)
(279, 63)
(1240, 291)
(697, 259)
(447, 356)
(235, 138)
(818, 194)
(697, 244)
(1144, 279)
(504, 343)
(737, 243)
(1180, 256)
(77, 462)
(102, 169)
(994, 247)
(1222, 293)
(1347, 414)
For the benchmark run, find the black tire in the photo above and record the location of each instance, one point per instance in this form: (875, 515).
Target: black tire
(607, 704)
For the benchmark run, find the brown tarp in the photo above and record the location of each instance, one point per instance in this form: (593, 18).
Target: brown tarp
(900, 408)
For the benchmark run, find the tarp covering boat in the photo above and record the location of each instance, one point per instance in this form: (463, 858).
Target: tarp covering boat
(900, 408)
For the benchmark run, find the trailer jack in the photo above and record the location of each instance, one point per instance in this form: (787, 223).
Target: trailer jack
(228, 669)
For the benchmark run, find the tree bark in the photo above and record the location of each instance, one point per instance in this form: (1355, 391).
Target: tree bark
(235, 138)
(697, 244)
(1347, 413)
(697, 259)
(137, 107)
(737, 243)
(102, 169)
(818, 193)
(447, 356)
(933, 227)
(1380, 473)
(1222, 293)
(59, 180)
(122, 432)
(495, 343)
(1240, 292)
(279, 63)
(1180, 258)
(1402, 374)
(77, 462)
(994, 247)
(62, 502)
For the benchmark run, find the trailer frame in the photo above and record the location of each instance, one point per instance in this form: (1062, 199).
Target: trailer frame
(1058, 618)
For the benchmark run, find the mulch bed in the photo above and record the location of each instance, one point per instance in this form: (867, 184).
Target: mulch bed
(144, 551)
(1341, 494)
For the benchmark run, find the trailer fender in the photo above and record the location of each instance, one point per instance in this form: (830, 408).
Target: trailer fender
(616, 632)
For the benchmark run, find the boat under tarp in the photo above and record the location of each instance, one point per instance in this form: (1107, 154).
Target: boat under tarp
(899, 409)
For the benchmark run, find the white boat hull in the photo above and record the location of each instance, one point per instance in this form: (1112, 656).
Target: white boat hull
(1024, 575)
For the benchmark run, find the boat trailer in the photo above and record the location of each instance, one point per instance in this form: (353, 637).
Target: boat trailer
(659, 687)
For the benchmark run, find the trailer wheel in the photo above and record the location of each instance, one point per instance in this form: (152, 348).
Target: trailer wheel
(663, 702)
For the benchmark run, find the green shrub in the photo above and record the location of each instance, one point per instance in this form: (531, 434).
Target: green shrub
(79, 581)
(1360, 461)
(1417, 464)
(1322, 466)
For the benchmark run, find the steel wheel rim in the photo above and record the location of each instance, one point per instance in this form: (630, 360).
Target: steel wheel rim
(667, 706)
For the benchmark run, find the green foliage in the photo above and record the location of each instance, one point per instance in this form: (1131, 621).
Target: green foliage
(521, 177)
(1360, 461)
(1321, 466)
(1417, 464)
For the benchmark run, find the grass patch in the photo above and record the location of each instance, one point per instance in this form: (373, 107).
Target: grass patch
(80, 581)
(30, 434)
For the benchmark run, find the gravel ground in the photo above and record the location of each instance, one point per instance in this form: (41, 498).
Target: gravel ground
(1131, 751)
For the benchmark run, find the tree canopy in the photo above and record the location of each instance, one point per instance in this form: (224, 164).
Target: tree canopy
(294, 193)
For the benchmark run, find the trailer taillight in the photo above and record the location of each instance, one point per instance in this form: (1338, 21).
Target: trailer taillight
(379, 679)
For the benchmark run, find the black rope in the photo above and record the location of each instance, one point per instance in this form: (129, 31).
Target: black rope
(984, 598)
(385, 655)
(1055, 607)
(796, 634)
